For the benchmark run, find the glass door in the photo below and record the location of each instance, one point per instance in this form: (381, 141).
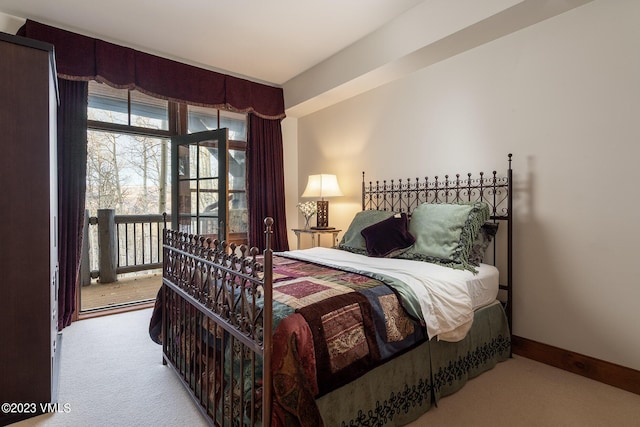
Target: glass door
(199, 183)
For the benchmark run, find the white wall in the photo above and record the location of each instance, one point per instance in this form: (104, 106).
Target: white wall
(10, 24)
(290, 151)
(564, 97)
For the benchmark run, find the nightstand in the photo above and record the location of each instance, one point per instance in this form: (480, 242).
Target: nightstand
(318, 233)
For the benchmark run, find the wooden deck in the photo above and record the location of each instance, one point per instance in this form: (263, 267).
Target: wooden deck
(128, 289)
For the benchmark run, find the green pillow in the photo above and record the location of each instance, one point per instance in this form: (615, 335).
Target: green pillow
(353, 241)
(445, 233)
(484, 238)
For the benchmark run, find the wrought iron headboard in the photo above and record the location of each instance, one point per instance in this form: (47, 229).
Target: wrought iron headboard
(406, 195)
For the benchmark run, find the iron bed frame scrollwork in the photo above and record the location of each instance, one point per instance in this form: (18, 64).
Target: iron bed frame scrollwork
(217, 299)
(406, 195)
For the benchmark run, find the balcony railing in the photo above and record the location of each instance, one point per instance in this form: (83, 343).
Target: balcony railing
(117, 244)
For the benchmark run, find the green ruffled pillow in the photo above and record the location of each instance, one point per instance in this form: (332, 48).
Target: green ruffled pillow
(484, 238)
(445, 233)
(353, 241)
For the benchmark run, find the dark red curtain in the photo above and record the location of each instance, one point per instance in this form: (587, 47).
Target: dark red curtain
(265, 182)
(72, 181)
(80, 57)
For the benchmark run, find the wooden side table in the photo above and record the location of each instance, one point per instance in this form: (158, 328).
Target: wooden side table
(314, 233)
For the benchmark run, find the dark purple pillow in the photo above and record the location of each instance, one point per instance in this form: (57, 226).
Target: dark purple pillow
(388, 237)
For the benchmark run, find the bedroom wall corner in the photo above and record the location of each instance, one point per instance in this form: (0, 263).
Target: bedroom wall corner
(9, 23)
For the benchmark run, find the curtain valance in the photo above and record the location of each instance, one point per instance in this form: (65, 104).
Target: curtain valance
(80, 57)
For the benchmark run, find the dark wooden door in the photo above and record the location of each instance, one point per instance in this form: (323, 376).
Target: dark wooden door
(199, 183)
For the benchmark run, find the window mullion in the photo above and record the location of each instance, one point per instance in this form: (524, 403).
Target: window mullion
(132, 130)
(174, 118)
(182, 119)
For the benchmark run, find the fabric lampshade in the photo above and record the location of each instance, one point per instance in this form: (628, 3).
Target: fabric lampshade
(322, 185)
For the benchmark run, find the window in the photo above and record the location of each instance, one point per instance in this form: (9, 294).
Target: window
(127, 152)
(128, 173)
(128, 170)
(128, 108)
(201, 119)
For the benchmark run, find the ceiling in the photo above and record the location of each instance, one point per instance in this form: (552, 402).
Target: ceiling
(266, 41)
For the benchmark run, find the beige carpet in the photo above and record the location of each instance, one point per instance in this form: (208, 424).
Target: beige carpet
(522, 392)
(112, 375)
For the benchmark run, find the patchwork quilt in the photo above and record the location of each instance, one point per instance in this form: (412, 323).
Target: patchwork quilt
(331, 326)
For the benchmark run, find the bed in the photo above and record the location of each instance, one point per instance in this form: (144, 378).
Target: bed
(415, 300)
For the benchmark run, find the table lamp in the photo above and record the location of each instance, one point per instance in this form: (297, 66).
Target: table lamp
(322, 185)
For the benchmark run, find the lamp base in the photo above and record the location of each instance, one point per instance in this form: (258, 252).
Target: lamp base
(322, 214)
(323, 228)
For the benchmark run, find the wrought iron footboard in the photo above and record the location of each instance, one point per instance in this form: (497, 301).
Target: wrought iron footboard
(217, 325)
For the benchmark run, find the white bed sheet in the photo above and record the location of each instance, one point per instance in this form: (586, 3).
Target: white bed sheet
(447, 296)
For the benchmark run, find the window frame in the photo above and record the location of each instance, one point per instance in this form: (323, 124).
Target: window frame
(178, 125)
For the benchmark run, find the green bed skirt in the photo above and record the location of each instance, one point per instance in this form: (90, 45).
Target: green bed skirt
(406, 387)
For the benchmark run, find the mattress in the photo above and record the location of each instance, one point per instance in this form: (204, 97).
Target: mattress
(446, 297)
(482, 286)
